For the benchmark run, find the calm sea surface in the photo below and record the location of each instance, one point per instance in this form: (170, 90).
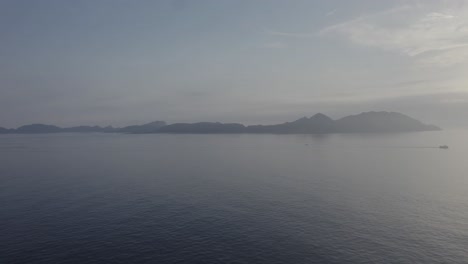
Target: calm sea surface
(111, 198)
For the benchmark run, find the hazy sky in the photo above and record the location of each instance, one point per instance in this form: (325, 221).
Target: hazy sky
(121, 62)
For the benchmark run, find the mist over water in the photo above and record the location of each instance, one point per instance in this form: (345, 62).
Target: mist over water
(164, 198)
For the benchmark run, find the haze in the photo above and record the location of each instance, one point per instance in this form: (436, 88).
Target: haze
(125, 62)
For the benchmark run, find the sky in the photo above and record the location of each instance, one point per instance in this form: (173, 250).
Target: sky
(121, 62)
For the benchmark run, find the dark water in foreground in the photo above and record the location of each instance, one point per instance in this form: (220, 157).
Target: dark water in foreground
(105, 198)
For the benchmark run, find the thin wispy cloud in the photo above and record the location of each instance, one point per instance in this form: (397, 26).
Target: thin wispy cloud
(290, 34)
(450, 57)
(331, 13)
(434, 35)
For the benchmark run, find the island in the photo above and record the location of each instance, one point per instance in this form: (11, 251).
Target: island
(367, 122)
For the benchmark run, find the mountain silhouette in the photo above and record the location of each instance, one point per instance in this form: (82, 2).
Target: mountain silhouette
(380, 122)
(318, 123)
(203, 127)
(37, 129)
(84, 129)
(4, 130)
(367, 122)
(142, 129)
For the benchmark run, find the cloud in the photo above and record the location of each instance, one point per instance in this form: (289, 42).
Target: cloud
(446, 58)
(289, 34)
(431, 34)
(331, 13)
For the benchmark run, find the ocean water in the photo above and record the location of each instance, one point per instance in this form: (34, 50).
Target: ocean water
(112, 198)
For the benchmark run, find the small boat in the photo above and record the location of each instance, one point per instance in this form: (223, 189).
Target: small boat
(443, 147)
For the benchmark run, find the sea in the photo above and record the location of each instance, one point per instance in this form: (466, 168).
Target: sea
(234, 198)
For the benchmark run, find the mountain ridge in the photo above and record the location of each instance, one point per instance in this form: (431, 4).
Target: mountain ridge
(373, 122)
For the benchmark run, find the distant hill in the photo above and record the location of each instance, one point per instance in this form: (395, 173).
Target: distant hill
(4, 130)
(152, 127)
(318, 123)
(380, 122)
(37, 129)
(368, 122)
(373, 122)
(84, 129)
(42, 128)
(202, 128)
